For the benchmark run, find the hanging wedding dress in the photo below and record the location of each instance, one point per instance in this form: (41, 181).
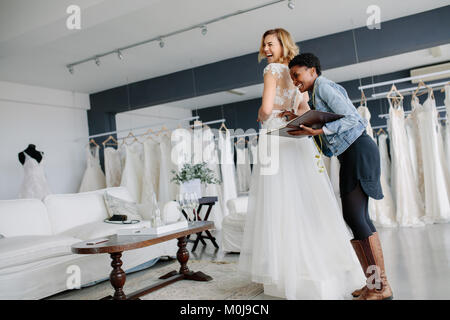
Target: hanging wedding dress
(408, 203)
(295, 239)
(253, 147)
(435, 172)
(34, 185)
(446, 133)
(211, 157)
(93, 178)
(150, 178)
(415, 145)
(133, 170)
(167, 189)
(243, 170)
(113, 167)
(384, 157)
(227, 170)
(381, 212)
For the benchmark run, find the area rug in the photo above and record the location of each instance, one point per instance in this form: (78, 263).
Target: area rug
(227, 284)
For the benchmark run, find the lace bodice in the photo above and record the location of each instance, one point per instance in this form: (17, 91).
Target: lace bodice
(287, 95)
(34, 185)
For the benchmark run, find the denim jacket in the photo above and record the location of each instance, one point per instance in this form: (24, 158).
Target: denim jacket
(340, 134)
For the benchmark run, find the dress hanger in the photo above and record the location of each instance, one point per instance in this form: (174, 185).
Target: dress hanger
(417, 92)
(110, 138)
(223, 126)
(163, 131)
(363, 101)
(92, 141)
(394, 95)
(447, 84)
(149, 134)
(239, 140)
(381, 130)
(130, 135)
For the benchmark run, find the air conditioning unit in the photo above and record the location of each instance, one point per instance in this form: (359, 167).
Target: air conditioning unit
(441, 68)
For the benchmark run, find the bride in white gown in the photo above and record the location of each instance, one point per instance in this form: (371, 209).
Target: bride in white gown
(295, 240)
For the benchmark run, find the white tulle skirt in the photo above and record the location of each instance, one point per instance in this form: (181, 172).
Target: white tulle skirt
(295, 240)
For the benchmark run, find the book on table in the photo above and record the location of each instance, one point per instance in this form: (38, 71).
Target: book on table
(311, 118)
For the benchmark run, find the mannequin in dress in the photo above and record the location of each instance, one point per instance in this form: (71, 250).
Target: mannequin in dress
(32, 152)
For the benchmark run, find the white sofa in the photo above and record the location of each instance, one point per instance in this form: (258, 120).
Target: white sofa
(233, 224)
(35, 254)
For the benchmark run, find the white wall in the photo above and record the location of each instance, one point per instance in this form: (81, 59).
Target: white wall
(52, 120)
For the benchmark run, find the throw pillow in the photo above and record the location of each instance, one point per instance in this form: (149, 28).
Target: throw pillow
(117, 206)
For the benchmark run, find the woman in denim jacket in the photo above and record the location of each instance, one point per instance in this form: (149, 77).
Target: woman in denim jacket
(360, 167)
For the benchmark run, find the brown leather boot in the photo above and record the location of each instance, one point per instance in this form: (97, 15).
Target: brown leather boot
(362, 260)
(380, 288)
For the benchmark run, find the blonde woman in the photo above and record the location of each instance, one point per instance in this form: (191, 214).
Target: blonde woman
(295, 240)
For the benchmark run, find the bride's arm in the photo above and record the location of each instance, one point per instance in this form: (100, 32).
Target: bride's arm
(268, 98)
(303, 106)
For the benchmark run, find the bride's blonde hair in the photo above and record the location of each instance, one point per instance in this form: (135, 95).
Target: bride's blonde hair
(290, 49)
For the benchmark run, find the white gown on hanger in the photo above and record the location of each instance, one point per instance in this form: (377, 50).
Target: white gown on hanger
(150, 178)
(381, 212)
(113, 167)
(384, 157)
(34, 185)
(227, 170)
(243, 170)
(295, 239)
(435, 172)
(167, 190)
(93, 178)
(409, 206)
(446, 133)
(211, 157)
(133, 170)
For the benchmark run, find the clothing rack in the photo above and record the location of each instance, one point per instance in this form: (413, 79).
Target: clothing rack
(386, 115)
(136, 128)
(168, 129)
(407, 91)
(390, 82)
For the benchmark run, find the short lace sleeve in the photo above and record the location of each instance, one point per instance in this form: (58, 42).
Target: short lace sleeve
(275, 69)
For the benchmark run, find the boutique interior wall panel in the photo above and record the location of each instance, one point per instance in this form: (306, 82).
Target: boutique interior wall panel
(51, 119)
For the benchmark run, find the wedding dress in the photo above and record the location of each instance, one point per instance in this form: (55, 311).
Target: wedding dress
(435, 172)
(446, 132)
(133, 170)
(384, 157)
(150, 178)
(93, 178)
(409, 206)
(167, 189)
(113, 167)
(211, 157)
(34, 185)
(227, 170)
(381, 212)
(295, 239)
(243, 167)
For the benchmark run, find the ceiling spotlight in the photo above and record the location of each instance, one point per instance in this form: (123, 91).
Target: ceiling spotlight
(204, 30)
(71, 70)
(291, 4)
(97, 61)
(161, 43)
(119, 54)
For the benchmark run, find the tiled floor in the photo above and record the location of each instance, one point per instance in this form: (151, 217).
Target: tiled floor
(417, 260)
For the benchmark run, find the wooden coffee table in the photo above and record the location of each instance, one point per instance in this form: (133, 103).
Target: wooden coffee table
(117, 244)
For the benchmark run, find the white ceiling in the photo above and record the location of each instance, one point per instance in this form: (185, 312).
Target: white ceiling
(35, 44)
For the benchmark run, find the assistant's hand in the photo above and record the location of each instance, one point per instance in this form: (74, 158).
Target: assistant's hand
(306, 131)
(289, 114)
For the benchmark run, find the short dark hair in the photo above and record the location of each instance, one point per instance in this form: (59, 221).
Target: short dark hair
(308, 60)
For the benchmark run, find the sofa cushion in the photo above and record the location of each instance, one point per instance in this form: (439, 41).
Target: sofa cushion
(117, 206)
(67, 211)
(99, 229)
(25, 249)
(238, 204)
(23, 217)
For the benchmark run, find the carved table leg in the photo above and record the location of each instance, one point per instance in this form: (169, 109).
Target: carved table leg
(117, 276)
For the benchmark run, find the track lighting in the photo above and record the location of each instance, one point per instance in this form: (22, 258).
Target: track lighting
(97, 61)
(71, 70)
(204, 30)
(119, 54)
(161, 43)
(291, 4)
